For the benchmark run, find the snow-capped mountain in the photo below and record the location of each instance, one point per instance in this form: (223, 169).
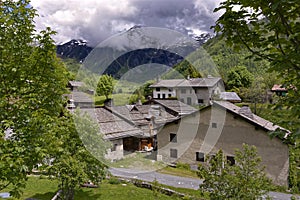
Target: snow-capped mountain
(77, 49)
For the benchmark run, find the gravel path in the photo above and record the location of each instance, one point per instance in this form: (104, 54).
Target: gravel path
(175, 181)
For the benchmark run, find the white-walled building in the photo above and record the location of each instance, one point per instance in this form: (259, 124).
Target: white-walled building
(193, 91)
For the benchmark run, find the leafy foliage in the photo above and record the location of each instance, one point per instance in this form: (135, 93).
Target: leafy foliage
(238, 77)
(184, 69)
(270, 31)
(75, 157)
(31, 87)
(105, 85)
(35, 127)
(244, 180)
(72, 66)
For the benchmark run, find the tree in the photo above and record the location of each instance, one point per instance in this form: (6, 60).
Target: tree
(105, 85)
(35, 126)
(239, 77)
(31, 88)
(76, 157)
(269, 30)
(244, 180)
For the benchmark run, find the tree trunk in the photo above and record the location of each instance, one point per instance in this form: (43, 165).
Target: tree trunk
(68, 194)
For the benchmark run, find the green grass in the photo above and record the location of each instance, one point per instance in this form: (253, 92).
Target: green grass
(118, 99)
(142, 161)
(44, 189)
(39, 188)
(178, 172)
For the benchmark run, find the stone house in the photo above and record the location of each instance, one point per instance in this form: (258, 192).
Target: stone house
(133, 128)
(225, 126)
(192, 91)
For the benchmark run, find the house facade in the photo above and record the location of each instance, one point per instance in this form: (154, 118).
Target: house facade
(192, 91)
(223, 126)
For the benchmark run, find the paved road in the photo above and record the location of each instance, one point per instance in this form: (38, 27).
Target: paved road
(150, 176)
(175, 181)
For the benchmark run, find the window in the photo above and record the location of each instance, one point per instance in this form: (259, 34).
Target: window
(170, 90)
(214, 125)
(158, 96)
(189, 100)
(182, 100)
(114, 148)
(200, 156)
(183, 91)
(173, 153)
(173, 137)
(169, 95)
(230, 160)
(200, 101)
(157, 89)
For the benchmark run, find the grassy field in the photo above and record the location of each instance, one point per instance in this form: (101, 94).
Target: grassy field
(178, 172)
(118, 99)
(137, 160)
(44, 189)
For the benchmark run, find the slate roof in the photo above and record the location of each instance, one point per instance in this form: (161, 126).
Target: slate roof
(139, 114)
(118, 122)
(134, 120)
(230, 96)
(75, 83)
(82, 97)
(114, 127)
(269, 126)
(193, 82)
(177, 106)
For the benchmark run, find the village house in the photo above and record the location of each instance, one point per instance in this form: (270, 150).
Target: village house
(133, 128)
(225, 126)
(176, 132)
(279, 90)
(77, 97)
(192, 91)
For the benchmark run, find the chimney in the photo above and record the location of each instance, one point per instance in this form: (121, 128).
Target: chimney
(108, 103)
(245, 110)
(139, 103)
(158, 79)
(155, 111)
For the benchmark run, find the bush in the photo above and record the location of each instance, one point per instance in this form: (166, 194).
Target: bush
(180, 165)
(114, 181)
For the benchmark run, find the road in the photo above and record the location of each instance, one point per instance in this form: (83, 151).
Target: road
(175, 181)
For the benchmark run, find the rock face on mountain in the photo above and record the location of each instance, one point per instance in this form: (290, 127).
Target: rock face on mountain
(76, 49)
(79, 49)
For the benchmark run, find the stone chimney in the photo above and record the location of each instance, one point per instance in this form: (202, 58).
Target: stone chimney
(108, 103)
(245, 110)
(155, 111)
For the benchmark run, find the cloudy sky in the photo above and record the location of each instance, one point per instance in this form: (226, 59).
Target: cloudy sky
(96, 20)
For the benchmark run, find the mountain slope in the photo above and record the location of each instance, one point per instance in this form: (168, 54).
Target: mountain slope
(76, 49)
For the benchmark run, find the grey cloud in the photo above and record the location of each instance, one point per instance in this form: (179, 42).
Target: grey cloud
(96, 20)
